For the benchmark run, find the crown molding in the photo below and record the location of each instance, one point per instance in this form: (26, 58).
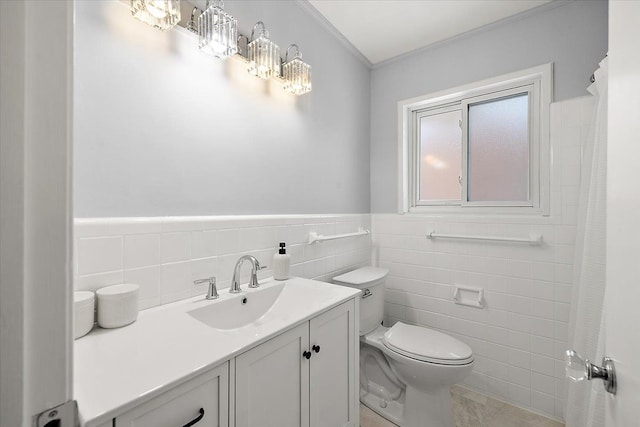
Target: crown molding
(314, 13)
(488, 27)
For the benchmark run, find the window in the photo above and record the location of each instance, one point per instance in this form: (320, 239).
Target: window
(479, 148)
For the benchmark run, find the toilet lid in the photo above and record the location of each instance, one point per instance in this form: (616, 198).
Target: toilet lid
(427, 345)
(362, 276)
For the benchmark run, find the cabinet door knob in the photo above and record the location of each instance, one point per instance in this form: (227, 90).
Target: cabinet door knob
(306, 355)
(316, 348)
(196, 419)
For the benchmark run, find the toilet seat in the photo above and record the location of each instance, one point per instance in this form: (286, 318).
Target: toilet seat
(426, 345)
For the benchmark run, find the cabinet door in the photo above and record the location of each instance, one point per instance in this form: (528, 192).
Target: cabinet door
(183, 404)
(333, 339)
(272, 382)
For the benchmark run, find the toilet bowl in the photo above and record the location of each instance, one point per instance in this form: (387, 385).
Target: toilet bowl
(406, 370)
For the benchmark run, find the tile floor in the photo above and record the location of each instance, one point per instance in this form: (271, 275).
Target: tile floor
(471, 409)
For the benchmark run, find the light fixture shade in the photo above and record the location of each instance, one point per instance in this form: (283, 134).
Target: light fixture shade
(296, 73)
(263, 55)
(162, 14)
(218, 31)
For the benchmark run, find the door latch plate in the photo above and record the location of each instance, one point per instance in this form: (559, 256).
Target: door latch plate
(65, 415)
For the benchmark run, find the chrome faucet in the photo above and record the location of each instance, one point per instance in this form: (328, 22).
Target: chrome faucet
(255, 266)
(212, 293)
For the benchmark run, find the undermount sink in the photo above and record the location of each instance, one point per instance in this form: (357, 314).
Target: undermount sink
(238, 310)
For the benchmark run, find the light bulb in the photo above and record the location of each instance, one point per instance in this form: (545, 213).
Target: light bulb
(157, 8)
(217, 31)
(162, 14)
(296, 73)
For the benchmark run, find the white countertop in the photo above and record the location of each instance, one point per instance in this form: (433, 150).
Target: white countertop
(117, 369)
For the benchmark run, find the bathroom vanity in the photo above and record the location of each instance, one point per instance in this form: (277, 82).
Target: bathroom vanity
(284, 354)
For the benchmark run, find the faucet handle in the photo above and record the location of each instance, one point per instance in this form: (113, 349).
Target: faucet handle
(212, 293)
(253, 283)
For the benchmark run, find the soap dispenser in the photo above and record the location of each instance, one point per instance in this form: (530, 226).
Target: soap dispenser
(281, 263)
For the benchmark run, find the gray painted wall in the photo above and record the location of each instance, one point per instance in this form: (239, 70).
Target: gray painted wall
(573, 36)
(161, 129)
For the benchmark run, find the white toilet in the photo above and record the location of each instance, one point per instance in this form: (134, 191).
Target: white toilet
(406, 371)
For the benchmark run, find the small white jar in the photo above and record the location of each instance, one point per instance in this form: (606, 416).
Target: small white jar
(83, 313)
(117, 305)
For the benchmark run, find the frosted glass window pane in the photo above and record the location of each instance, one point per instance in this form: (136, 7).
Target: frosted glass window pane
(499, 150)
(440, 156)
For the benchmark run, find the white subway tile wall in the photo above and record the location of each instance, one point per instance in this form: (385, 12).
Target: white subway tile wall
(519, 337)
(165, 255)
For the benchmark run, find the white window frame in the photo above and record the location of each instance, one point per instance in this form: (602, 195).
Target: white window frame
(537, 82)
(414, 160)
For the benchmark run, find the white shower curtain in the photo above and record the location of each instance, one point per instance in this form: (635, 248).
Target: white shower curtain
(585, 400)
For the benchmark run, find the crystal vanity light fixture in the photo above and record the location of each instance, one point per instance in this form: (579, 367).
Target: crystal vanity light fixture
(295, 73)
(162, 14)
(263, 55)
(218, 36)
(217, 30)
(192, 25)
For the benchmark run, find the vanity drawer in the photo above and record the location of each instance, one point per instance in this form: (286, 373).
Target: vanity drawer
(203, 402)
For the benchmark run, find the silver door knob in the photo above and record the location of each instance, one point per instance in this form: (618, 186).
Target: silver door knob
(578, 369)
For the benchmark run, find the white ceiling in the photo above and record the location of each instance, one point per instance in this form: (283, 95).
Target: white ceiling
(382, 29)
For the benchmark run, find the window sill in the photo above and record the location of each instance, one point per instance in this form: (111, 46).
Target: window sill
(478, 211)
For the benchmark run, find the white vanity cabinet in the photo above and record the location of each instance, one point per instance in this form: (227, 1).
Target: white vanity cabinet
(295, 366)
(334, 389)
(305, 377)
(201, 402)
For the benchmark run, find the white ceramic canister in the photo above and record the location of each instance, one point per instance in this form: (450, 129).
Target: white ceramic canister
(117, 305)
(83, 313)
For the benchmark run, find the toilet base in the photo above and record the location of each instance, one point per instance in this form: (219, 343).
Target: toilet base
(383, 389)
(428, 409)
(419, 409)
(389, 410)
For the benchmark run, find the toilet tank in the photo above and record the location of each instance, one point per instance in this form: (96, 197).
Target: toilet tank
(370, 280)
